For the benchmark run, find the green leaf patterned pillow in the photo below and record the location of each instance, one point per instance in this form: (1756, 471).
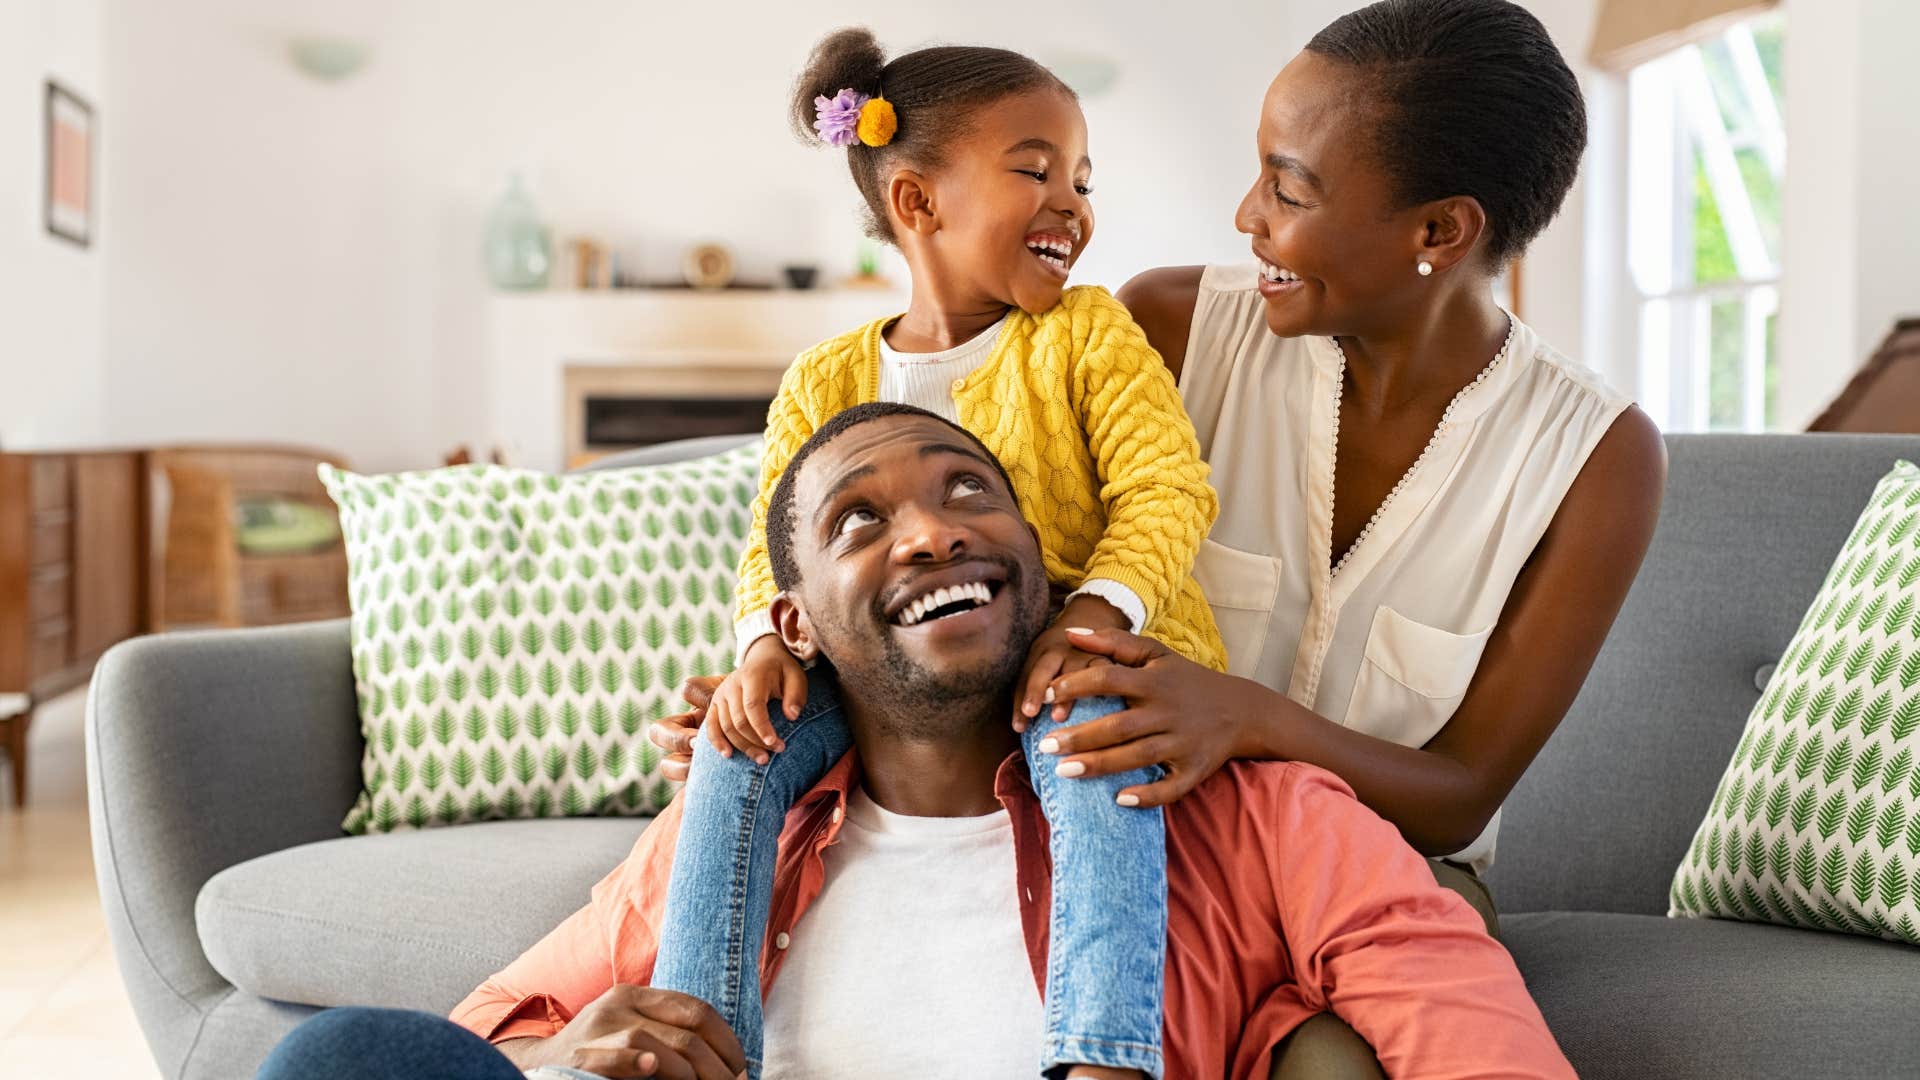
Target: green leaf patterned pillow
(514, 633)
(1817, 820)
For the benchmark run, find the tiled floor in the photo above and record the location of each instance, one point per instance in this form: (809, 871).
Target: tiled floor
(62, 1009)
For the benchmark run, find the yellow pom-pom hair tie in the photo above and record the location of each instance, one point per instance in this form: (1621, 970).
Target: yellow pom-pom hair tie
(877, 122)
(851, 116)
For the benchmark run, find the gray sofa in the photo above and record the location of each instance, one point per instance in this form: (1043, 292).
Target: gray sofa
(220, 764)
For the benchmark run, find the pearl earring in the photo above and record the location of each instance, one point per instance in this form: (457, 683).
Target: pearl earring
(1425, 268)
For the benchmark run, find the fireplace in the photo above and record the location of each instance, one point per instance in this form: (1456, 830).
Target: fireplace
(619, 405)
(571, 375)
(619, 422)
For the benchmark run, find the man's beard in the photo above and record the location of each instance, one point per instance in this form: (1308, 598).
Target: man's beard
(913, 701)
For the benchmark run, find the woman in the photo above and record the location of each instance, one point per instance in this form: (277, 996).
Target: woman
(1429, 518)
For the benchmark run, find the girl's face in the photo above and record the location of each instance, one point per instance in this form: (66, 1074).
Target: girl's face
(1011, 201)
(1337, 256)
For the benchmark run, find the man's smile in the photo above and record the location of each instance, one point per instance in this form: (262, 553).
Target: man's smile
(969, 589)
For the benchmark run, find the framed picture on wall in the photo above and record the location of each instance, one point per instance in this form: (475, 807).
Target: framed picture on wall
(69, 165)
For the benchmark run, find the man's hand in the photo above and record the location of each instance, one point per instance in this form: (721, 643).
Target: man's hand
(1053, 654)
(675, 734)
(633, 1032)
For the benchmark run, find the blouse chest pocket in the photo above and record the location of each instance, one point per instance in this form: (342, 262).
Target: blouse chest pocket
(1241, 588)
(1412, 678)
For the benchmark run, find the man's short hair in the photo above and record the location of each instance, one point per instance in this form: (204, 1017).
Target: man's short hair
(780, 521)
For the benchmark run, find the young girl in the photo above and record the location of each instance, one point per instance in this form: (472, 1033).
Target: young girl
(973, 162)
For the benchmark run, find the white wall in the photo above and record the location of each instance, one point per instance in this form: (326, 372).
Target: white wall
(300, 261)
(51, 292)
(1820, 314)
(264, 281)
(1851, 226)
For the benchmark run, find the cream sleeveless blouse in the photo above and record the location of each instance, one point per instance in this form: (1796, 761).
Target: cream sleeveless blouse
(1389, 645)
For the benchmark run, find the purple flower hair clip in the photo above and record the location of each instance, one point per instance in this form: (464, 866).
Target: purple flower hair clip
(838, 117)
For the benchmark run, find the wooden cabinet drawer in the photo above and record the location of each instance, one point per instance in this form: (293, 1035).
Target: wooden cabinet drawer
(49, 593)
(51, 638)
(52, 483)
(52, 538)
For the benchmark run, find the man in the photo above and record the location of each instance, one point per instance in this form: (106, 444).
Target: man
(1287, 897)
(909, 931)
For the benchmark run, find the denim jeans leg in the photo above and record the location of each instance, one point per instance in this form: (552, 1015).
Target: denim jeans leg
(384, 1044)
(721, 890)
(1107, 936)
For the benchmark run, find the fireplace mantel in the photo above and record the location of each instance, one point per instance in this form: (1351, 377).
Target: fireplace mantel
(665, 341)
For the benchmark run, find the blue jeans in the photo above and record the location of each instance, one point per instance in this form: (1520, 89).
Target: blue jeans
(1107, 928)
(391, 1044)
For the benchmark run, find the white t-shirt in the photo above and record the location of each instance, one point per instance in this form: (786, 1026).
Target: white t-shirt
(912, 961)
(926, 380)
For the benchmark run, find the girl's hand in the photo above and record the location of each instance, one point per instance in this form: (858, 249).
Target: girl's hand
(1179, 714)
(737, 716)
(675, 733)
(1053, 654)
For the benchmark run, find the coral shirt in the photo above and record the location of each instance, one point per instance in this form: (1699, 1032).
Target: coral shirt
(1287, 897)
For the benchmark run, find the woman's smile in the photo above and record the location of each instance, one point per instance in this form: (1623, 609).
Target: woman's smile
(1277, 280)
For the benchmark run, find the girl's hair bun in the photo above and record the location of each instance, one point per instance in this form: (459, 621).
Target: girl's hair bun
(928, 98)
(849, 59)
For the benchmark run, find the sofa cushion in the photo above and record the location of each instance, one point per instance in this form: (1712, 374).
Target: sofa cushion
(1641, 995)
(514, 632)
(1816, 822)
(408, 920)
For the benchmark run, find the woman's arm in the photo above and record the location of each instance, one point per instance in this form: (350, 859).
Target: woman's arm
(1443, 794)
(1162, 302)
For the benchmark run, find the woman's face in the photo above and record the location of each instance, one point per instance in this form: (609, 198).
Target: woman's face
(1338, 257)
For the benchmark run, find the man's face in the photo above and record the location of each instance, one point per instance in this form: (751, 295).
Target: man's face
(919, 579)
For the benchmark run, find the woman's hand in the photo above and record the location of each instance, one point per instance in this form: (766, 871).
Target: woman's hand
(675, 734)
(1179, 714)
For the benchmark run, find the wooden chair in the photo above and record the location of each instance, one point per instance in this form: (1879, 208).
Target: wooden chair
(202, 577)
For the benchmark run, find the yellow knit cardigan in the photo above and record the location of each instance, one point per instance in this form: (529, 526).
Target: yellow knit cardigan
(1088, 423)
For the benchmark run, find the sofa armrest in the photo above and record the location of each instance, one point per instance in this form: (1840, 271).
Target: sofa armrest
(205, 750)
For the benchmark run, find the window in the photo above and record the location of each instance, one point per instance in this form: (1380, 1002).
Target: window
(1705, 160)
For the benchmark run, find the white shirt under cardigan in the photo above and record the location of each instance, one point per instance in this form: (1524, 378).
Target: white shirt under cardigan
(927, 381)
(1389, 645)
(912, 961)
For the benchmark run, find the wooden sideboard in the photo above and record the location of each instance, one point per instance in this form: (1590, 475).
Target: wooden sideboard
(73, 573)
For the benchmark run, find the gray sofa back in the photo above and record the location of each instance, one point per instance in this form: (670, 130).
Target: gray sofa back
(1749, 528)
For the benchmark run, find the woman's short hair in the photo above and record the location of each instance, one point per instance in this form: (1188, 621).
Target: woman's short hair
(1470, 97)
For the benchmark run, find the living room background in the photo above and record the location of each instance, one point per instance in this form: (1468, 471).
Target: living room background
(279, 257)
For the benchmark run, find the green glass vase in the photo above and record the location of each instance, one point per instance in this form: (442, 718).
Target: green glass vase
(519, 249)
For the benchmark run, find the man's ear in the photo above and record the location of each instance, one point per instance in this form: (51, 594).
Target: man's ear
(910, 203)
(794, 628)
(1450, 230)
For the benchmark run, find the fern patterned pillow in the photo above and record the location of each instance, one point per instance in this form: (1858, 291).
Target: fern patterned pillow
(514, 633)
(1817, 820)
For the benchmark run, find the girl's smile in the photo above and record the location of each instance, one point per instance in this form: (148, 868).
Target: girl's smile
(1054, 249)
